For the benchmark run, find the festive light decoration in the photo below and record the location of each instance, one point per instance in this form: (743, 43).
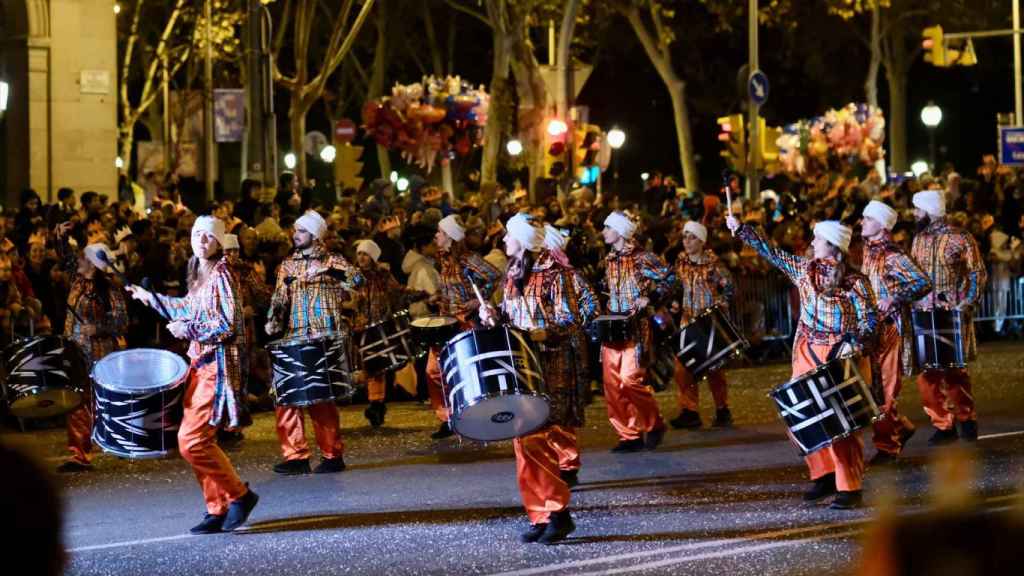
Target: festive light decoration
(839, 139)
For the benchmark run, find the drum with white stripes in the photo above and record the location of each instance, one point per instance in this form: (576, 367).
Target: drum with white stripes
(493, 384)
(826, 404)
(708, 342)
(938, 339)
(388, 345)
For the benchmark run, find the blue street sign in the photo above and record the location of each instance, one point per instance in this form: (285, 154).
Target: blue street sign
(1011, 145)
(757, 87)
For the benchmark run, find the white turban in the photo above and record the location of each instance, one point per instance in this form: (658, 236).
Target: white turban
(553, 239)
(313, 223)
(697, 229)
(370, 248)
(620, 223)
(931, 201)
(521, 228)
(835, 233)
(450, 226)
(92, 254)
(882, 212)
(212, 225)
(230, 242)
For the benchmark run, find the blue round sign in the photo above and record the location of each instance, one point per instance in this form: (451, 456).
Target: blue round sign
(758, 87)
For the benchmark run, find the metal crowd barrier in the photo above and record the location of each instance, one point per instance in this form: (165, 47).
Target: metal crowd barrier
(762, 308)
(1002, 301)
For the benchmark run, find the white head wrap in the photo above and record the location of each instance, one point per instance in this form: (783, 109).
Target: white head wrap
(553, 239)
(931, 201)
(370, 248)
(450, 226)
(92, 254)
(882, 212)
(212, 225)
(835, 233)
(521, 228)
(697, 229)
(620, 223)
(230, 242)
(313, 223)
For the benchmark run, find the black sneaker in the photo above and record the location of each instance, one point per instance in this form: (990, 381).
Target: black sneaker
(375, 413)
(73, 467)
(723, 418)
(848, 500)
(560, 525)
(687, 419)
(211, 524)
(239, 510)
(229, 440)
(883, 459)
(628, 446)
(823, 487)
(292, 467)
(653, 438)
(534, 533)
(330, 465)
(942, 437)
(969, 431)
(570, 477)
(444, 431)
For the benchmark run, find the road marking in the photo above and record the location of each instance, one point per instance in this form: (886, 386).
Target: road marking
(130, 543)
(1000, 435)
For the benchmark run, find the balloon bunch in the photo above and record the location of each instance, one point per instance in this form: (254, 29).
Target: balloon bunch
(837, 140)
(436, 117)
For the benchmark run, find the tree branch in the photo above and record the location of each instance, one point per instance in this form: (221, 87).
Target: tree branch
(334, 60)
(454, 5)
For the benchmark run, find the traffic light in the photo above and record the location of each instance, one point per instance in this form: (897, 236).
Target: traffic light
(934, 46)
(347, 166)
(588, 145)
(554, 148)
(734, 141)
(769, 135)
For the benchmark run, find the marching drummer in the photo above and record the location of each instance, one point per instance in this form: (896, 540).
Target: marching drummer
(951, 259)
(308, 295)
(896, 281)
(704, 282)
(97, 323)
(837, 318)
(460, 270)
(634, 277)
(551, 302)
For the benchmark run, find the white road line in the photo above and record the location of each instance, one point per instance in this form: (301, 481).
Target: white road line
(130, 543)
(1001, 435)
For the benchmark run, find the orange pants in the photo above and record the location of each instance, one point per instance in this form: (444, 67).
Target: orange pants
(197, 443)
(689, 393)
(434, 387)
(79, 430)
(891, 425)
(537, 470)
(632, 408)
(291, 431)
(375, 387)
(563, 438)
(844, 457)
(946, 396)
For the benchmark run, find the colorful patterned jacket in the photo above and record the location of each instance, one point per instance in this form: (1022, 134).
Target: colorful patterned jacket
(377, 297)
(100, 304)
(893, 274)
(460, 270)
(951, 259)
(312, 304)
(702, 284)
(633, 273)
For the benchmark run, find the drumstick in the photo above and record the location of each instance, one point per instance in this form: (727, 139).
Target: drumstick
(478, 296)
(728, 206)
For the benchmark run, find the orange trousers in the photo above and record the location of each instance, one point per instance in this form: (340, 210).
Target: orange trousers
(537, 471)
(632, 408)
(197, 443)
(434, 387)
(946, 396)
(291, 431)
(844, 457)
(891, 425)
(375, 387)
(689, 393)
(563, 438)
(79, 430)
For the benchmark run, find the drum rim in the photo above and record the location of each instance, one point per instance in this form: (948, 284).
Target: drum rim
(147, 455)
(454, 322)
(9, 401)
(491, 395)
(140, 391)
(386, 320)
(816, 370)
(311, 337)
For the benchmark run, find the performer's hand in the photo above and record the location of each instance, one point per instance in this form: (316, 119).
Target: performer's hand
(141, 294)
(488, 316)
(63, 228)
(315, 270)
(732, 223)
(178, 329)
(885, 305)
(272, 327)
(642, 302)
(538, 335)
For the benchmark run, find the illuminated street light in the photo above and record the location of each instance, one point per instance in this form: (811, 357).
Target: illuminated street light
(918, 168)
(117, 8)
(290, 161)
(5, 91)
(402, 184)
(118, 163)
(514, 147)
(644, 176)
(931, 115)
(557, 127)
(394, 177)
(328, 153)
(616, 138)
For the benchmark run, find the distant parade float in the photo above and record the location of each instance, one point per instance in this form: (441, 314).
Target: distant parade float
(842, 140)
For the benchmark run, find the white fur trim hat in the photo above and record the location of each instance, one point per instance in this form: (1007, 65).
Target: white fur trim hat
(212, 225)
(522, 228)
(92, 254)
(882, 212)
(450, 225)
(697, 229)
(370, 248)
(835, 233)
(553, 239)
(230, 242)
(620, 223)
(931, 201)
(313, 223)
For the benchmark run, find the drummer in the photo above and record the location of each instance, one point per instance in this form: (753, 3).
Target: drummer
(311, 287)
(97, 324)
(704, 282)
(549, 300)
(837, 317)
(951, 259)
(460, 270)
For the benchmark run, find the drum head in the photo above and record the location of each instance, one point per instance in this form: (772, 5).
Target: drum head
(140, 370)
(434, 321)
(502, 417)
(47, 403)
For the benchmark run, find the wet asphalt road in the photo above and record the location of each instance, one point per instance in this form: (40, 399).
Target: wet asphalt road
(706, 502)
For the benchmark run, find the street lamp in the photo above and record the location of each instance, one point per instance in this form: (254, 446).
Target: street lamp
(557, 127)
(402, 184)
(328, 153)
(5, 91)
(514, 147)
(290, 161)
(931, 116)
(616, 138)
(918, 168)
(394, 176)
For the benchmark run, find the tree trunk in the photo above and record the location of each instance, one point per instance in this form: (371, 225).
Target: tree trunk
(681, 115)
(897, 120)
(871, 82)
(380, 60)
(297, 128)
(496, 117)
(127, 141)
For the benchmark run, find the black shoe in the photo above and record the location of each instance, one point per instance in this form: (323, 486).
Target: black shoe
(239, 510)
(375, 413)
(653, 438)
(211, 524)
(531, 535)
(229, 440)
(560, 525)
(969, 431)
(687, 419)
(823, 487)
(905, 436)
(292, 467)
(570, 477)
(942, 437)
(72, 467)
(848, 500)
(723, 418)
(883, 459)
(628, 446)
(330, 465)
(443, 432)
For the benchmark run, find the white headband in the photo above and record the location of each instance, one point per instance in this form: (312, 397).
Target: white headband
(212, 225)
(620, 223)
(834, 233)
(931, 201)
(450, 226)
(553, 239)
(522, 229)
(370, 248)
(313, 223)
(881, 211)
(697, 229)
(230, 242)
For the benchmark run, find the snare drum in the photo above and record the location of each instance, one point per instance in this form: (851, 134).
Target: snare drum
(388, 345)
(493, 384)
(938, 339)
(138, 402)
(44, 376)
(709, 341)
(310, 369)
(613, 329)
(826, 404)
(435, 331)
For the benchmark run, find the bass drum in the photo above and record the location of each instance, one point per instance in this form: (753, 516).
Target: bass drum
(43, 376)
